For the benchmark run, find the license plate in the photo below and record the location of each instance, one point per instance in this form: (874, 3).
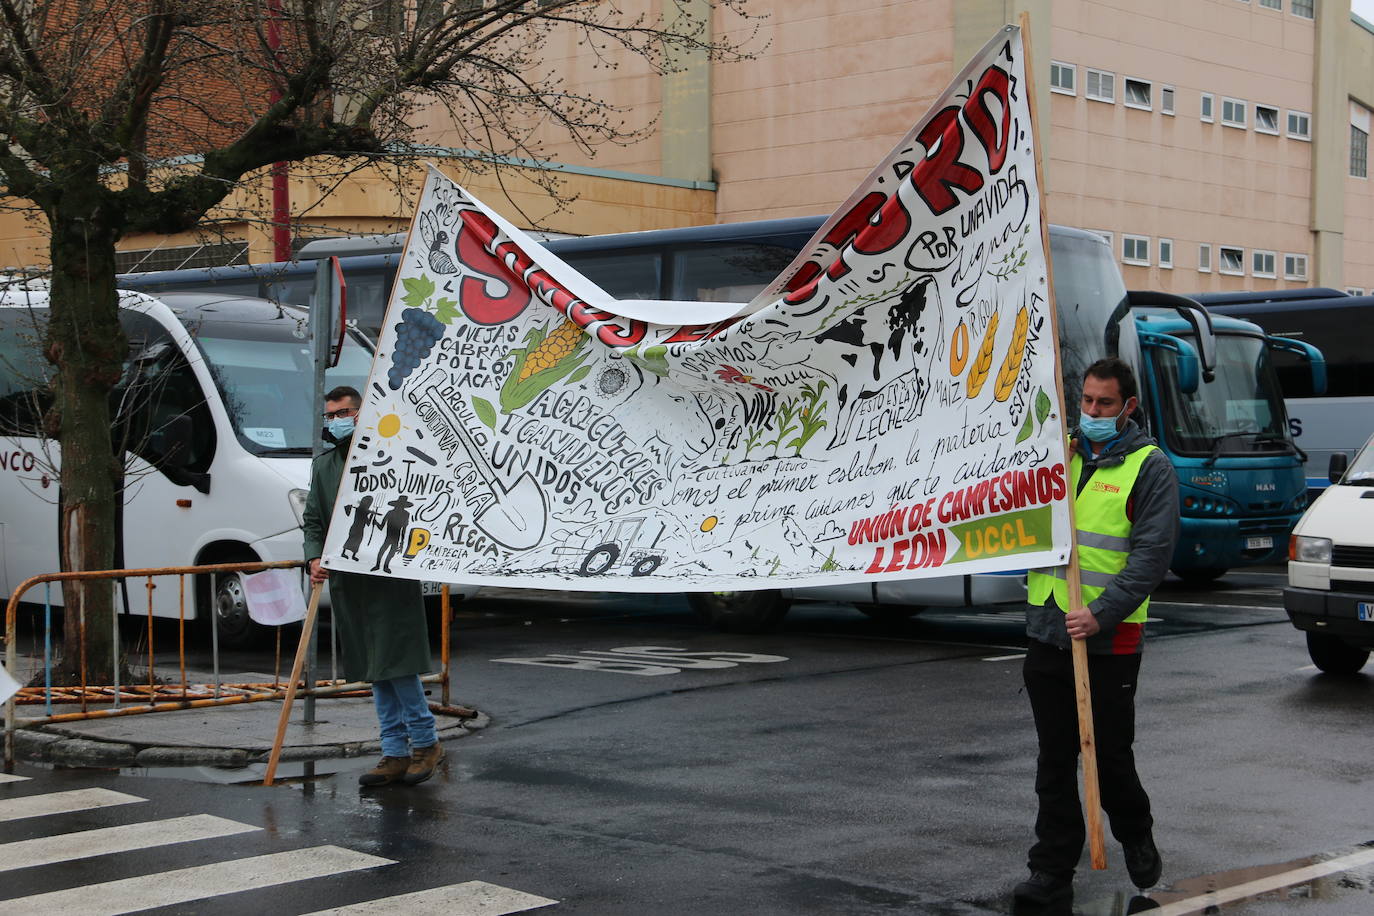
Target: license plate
(1259, 543)
(1365, 610)
(430, 588)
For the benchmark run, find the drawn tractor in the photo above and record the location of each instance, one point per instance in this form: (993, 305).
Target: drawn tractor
(631, 542)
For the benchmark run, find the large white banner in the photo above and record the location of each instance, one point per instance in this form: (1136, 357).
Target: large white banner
(886, 409)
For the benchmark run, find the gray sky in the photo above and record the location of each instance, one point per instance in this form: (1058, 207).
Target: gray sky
(1364, 9)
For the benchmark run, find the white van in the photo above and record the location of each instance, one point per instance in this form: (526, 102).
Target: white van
(215, 410)
(1330, 592)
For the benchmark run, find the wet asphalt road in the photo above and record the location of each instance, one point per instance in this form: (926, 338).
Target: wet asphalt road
(836, 766)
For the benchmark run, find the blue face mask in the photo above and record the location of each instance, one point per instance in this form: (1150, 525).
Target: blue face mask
(340, 427)
(1097, 429)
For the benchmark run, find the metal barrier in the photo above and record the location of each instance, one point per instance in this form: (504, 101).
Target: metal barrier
(155, 697)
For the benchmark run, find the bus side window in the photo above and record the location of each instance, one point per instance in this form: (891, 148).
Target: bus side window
(160, 405)
(25, 395)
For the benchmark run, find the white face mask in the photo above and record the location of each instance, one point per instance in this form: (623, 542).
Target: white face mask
(340, 427)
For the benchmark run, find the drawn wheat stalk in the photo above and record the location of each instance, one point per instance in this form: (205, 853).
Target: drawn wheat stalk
(1011, 366)
(982, 364)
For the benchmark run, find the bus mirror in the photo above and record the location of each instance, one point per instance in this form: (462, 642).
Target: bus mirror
(1191, 312)
(1335, 470)
(1184, 353)
(1306, 351)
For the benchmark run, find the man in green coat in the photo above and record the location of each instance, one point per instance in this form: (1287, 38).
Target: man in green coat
(381, 621)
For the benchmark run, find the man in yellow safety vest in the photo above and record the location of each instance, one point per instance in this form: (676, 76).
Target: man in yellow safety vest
(1127, 516)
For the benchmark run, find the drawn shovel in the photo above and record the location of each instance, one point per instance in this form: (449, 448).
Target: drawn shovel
(519, 513)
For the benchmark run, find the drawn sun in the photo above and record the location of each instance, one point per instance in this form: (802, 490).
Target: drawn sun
(389, 423)
(709, 522)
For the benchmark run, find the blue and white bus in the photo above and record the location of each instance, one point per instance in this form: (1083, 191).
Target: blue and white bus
(1340, 419)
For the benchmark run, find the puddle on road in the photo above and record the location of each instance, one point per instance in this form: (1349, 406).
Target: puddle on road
(1338, 882)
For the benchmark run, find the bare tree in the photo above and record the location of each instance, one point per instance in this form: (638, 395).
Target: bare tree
(145, 115)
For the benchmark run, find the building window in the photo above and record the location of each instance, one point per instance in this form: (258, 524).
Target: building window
(1106, 236)
(1208, 104)
(1272, 4)
(1266, 119)
(1300, 125)
(1166, 100)
(1233, 112)
(1262, 263)
(1135, 249)
(1232, 261)
(1136, 94)
(1063, 78)
(1295, 267)
(1359, 152)
(1166, 253)
(1302, 8)
(1204, 259)
(1354, 291)
(223, 254)
(1101, 86)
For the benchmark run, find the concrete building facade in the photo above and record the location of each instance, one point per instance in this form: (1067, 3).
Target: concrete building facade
(1220, 144)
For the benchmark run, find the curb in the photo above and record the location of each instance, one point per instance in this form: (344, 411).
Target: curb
(51, 744)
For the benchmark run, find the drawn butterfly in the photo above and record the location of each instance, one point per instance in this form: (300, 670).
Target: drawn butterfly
(440, 261)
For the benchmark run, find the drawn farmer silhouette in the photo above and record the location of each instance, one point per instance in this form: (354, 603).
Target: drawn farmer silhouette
(363, 519)
(395, 523)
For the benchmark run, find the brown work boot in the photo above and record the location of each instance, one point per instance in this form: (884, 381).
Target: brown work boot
(423, 760)
(387, 770)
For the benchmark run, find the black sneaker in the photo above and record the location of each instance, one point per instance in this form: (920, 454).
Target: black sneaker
(1043, 888)
(1143, 862)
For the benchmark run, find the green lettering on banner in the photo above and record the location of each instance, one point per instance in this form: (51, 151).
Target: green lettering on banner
(1002, 535)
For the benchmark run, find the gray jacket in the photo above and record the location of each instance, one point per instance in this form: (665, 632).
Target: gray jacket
(1154, 532)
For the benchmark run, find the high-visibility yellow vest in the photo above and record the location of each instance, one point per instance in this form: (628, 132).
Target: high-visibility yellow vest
(1104, 533)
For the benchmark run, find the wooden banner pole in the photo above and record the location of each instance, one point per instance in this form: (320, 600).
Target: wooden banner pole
(302, 649)
(1092, 799)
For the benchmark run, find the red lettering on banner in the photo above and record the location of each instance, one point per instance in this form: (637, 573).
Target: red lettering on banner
(941, 170)
(474, 234)
(995, 82)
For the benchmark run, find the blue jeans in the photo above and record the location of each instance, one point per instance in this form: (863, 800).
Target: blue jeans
(404, 715)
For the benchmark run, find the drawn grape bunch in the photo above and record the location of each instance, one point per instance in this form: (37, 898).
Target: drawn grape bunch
(416, 335)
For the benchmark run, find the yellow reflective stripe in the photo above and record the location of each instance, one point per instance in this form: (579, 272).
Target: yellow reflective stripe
(1103, 541)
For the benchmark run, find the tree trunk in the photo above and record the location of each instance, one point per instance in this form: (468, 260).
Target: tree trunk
(87, 346)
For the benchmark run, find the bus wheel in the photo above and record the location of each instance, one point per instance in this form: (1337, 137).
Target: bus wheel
(890, 613)
(228, 609)
(1200, 576)
(599, 560)
(740, 612)
(1335, 656)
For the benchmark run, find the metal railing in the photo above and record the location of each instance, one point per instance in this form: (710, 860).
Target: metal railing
(127, 699)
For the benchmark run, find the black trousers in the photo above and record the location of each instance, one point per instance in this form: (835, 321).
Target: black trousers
(1059, 829)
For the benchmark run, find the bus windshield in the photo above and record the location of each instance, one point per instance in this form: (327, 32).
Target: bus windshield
(1087, 290)
(1239, 412)
(265, 376)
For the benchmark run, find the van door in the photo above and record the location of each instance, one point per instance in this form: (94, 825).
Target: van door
(167, 433)
(28, 463)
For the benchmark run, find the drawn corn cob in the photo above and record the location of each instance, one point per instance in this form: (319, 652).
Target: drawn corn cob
(546, 359)
(982, 363)
(1011, 365)
(557, 345)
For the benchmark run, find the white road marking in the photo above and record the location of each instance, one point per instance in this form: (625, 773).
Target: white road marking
(10, 777)
(1226, 895)
(471, 898)
(86, 843)
(1004, 658)
(12, 809)
(183, 885)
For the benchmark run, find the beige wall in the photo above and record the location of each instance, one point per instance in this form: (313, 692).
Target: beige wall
(1145, 173)
(1359, 192)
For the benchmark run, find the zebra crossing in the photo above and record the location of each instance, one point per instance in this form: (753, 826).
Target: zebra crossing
(199, 883)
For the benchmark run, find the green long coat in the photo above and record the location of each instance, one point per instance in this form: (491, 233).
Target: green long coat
(381, 620)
